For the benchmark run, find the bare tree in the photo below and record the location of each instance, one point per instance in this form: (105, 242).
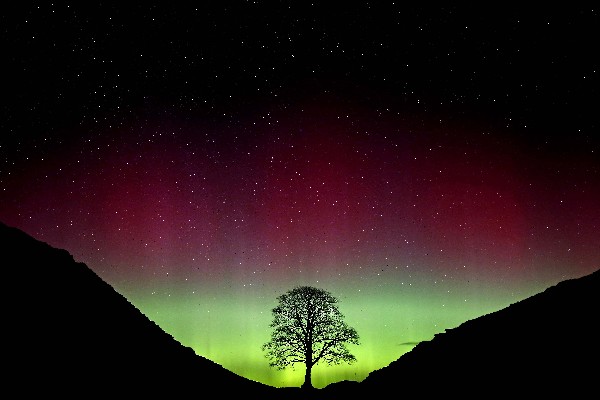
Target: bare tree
(308, 328)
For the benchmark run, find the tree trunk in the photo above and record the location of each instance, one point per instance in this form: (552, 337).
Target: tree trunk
(307, 377)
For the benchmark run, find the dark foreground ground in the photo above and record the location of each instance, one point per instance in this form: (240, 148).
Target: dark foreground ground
(67, 333)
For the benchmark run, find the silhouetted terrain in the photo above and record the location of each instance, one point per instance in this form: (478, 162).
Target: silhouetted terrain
(69, 333)
(545, 345)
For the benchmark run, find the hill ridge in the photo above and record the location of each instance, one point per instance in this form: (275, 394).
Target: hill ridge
(74, 327)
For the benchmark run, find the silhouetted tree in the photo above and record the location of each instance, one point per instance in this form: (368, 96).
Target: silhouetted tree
(308, 328)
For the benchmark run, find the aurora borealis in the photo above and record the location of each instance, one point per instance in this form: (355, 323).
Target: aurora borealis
(426, 167)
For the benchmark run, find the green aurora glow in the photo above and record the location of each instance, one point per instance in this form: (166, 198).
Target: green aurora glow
(228, 324)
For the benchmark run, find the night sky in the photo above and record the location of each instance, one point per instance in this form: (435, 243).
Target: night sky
(426, 166)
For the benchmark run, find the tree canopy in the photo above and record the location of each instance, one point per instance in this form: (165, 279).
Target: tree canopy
(309, 328)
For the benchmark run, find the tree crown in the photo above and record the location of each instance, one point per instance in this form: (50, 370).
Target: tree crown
(308, 328)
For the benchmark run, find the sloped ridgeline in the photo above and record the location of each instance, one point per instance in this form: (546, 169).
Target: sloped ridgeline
(545, 345)
(67, 332)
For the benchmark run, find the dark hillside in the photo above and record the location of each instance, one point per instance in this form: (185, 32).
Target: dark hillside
(68, 332)
(547, 344)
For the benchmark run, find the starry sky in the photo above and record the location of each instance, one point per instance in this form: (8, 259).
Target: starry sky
(426, 166)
